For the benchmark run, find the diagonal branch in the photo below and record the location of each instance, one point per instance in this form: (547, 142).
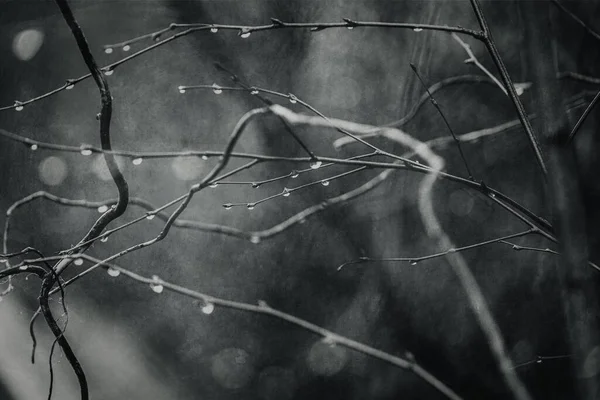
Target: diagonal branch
(512, 93)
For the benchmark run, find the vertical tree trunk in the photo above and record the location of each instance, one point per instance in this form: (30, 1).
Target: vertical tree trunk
(565, 198)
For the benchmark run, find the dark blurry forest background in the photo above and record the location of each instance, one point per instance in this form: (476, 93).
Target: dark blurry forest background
(137, 344)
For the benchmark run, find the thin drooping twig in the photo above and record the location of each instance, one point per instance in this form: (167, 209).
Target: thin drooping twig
(488, 40)
(439, 110)
(541, 359)
(583, 117)
(416, 260)
(578, 77)
(571, 14)
(517, 247)
(262, 308)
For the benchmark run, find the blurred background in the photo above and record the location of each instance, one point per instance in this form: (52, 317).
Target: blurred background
(134, 343)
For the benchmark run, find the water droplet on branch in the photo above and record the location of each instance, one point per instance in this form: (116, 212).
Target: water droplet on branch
(108, 50)
(108, 72)
(325, 183)
(78, 261)
(104, 239)
(156, 287)
(126, 47)
(181, 89)
(70, 86)
(86, 152)
(418, 29)
(293, 98)
(255, 239)
(227, 206)
(245, 33)
(250, 206)
(208, 308)
(113, 272)
(150, 217)
(217, 89)
(316, 164)
(294, 174)
(33, 147)
(102, 209)
(214, 30)
(254, 91)
(214, 185)
(286, 192)
(137, 161)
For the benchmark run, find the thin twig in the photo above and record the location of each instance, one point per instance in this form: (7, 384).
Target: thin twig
(415, 260)
(264, 309)
(472, 59)
(493, 50)
(571, 14)
(439, 110)
(244, 31)
(583, 117)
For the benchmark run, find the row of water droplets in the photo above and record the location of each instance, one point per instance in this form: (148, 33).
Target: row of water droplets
(316, 164)
(243, 33)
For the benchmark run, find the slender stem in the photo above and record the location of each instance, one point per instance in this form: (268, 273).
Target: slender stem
(415, 260)
(583, 117)
(439, 110)
(493, 50)
(571, 14)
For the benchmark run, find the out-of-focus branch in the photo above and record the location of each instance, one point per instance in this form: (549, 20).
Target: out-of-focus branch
(458, 263)
(579, 286)
(571, 14)
(578, 77)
